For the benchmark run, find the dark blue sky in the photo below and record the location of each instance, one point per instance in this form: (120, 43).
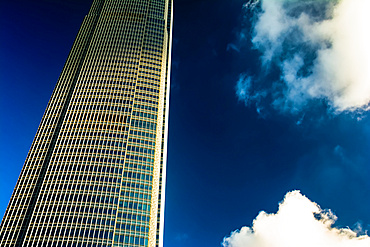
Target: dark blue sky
(225, 161)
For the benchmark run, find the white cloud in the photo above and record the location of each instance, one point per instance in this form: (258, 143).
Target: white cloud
(233, 47)
(321, 50)
(298, 223)
(243, 88)
(246, 93)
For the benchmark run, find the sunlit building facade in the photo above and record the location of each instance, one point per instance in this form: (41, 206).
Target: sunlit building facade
(95, 173)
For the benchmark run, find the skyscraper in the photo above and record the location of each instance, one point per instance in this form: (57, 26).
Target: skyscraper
(95, 173)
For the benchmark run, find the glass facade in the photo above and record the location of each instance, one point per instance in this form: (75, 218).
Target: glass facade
(95, 173)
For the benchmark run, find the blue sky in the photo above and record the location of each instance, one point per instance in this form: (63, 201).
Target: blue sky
(230, 156)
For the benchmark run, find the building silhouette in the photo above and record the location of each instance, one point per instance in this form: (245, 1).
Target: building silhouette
(95, 173)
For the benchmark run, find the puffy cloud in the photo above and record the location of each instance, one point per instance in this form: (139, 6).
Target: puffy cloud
(320, 49)
(298, 222)
(246, 93)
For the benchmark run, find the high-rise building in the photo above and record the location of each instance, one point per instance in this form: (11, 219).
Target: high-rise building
(95, 173)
